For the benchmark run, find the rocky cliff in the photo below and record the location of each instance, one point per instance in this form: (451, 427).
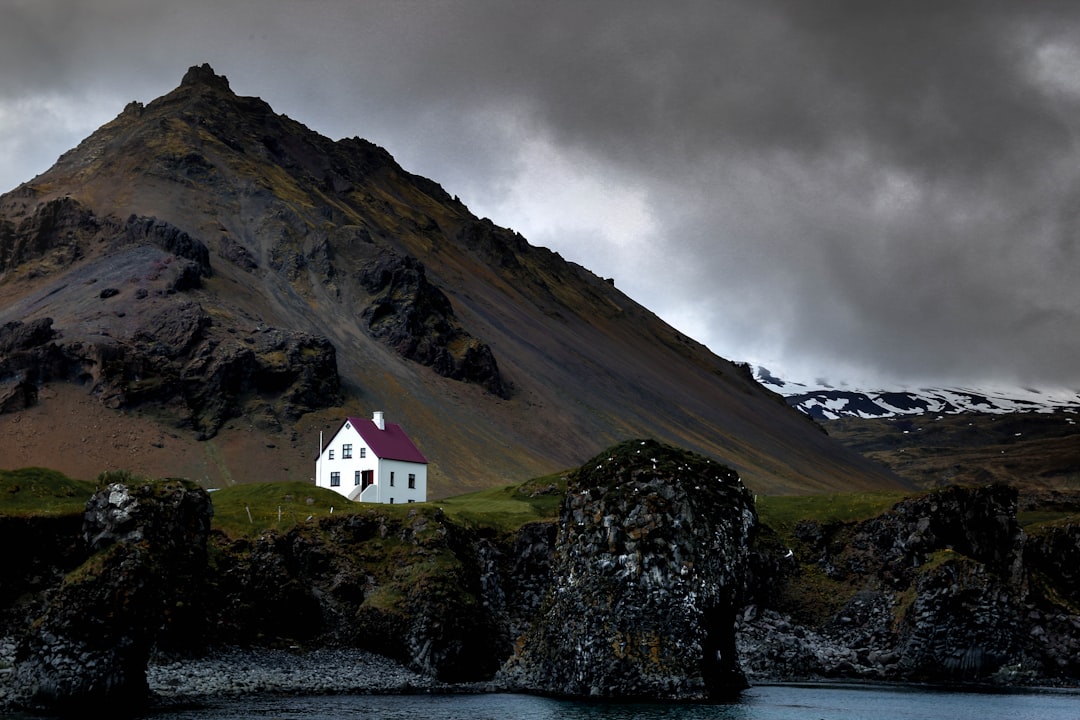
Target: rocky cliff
(657, 581)
(90, 638)
(946, 587)
(649, 566)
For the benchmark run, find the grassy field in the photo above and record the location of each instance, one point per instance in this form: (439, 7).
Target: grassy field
(508, 508)
(249, 509)
(39, 492)
(783, 512)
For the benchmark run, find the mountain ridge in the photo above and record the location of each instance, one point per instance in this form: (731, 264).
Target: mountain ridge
(202, 262)
(823, 400)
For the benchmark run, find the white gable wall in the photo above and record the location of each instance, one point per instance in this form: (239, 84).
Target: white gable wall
(346, 462)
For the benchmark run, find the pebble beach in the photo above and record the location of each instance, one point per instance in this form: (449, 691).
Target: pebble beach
(235, 672)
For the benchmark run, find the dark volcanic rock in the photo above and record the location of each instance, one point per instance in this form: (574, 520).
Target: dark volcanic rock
(977, 522)
(417, 588)
(18, 336)
(88, 651)
(170, 238)
(28, 357)
(964, 623)
(414, 317)
(59, 229)
(945, 587)
(172, 357)
(55, 551)
(650, 566)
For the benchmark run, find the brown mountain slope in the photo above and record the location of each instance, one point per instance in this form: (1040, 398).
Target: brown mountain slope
(1037, 453)
(206, 263)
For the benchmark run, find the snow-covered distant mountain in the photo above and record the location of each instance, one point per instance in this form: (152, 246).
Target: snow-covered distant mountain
(824, 401)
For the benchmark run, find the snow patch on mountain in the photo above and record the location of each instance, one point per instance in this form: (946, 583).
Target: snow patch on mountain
(824, 400)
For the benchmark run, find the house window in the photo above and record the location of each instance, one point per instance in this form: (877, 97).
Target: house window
(367, 477)
(356, 480)
(331, 455)
(335, 479)
(411, 500)
(412, 481)
(363, 452)
(346, 451)
(391, 478)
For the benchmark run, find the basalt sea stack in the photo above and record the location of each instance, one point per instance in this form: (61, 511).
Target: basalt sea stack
(649, 567)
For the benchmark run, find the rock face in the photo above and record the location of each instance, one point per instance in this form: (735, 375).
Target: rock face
(650, 566)
(88, 650)
(176, 357)
(657, 582)
(414, 587)
(149, 340)
(414, 317)
(945, 588)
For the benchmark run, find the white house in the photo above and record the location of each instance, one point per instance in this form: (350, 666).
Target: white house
(372, 461)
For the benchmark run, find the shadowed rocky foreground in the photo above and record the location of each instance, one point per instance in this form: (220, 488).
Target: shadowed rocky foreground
(658, 581)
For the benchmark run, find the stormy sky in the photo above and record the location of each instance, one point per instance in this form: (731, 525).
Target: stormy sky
(867, 191)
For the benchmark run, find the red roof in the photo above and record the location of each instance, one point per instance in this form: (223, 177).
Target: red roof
(389, 444)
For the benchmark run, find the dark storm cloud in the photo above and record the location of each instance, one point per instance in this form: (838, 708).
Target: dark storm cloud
(845, 187)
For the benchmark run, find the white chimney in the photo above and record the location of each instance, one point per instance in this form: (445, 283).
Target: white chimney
(377, 418)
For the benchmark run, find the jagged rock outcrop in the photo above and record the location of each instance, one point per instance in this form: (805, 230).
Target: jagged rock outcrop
(42, 550)
(174, 358)
(650, 566)
(28, 357)
(636, 592)
(88, 650)
(964, 623)
(946, 587)
(527, 574)
(142, 338)
(58, 230)
(418, 588)
(414, 317)
(173, 240)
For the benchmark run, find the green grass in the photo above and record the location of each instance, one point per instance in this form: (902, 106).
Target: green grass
(247, 510)
(509, 507)
(1035, 518)
(39, 492)
(783, 512)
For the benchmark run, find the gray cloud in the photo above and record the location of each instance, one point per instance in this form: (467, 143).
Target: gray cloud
(844, 187)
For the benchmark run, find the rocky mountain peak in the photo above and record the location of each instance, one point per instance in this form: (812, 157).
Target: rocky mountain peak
(204, 75)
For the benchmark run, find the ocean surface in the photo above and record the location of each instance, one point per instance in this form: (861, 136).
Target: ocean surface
(768, 702)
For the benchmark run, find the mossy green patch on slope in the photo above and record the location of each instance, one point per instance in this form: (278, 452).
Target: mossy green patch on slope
(509, 507)
(783, 512)
(248, 510)
(36, 491)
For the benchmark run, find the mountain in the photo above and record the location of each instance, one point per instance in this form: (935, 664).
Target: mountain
(824, 401)
(203, 288)
(1024, 438)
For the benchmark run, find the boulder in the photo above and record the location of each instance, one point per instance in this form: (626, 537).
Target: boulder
(650, 565)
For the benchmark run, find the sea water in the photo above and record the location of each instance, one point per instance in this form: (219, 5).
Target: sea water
(766, 702)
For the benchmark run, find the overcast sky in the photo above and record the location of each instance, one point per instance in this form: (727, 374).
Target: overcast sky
(861, 190)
